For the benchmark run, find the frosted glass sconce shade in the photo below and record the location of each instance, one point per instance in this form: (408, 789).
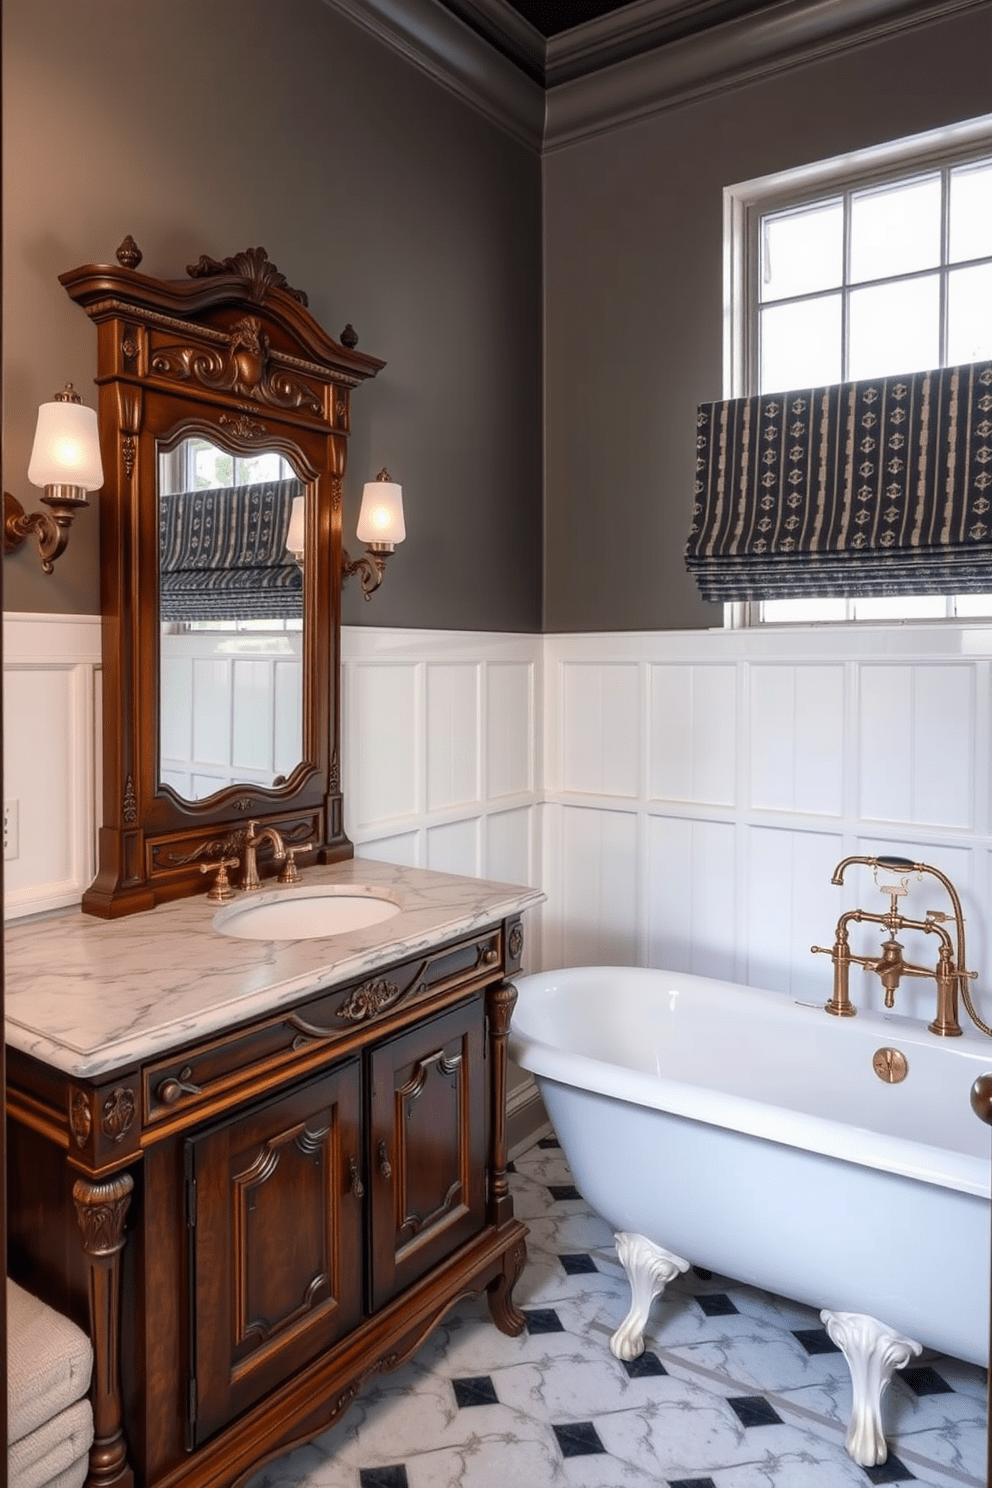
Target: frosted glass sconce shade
(66, 448)
(381, 517)
(65, 460)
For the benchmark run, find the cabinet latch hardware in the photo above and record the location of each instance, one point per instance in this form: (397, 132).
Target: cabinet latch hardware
(190, 1203)
(385, 1166)
(192, 1401)
(357, 1186)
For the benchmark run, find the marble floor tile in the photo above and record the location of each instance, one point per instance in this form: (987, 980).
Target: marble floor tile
(675, 1425)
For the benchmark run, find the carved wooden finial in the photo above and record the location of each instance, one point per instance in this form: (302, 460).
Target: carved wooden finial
(349, 337)
(129, 255)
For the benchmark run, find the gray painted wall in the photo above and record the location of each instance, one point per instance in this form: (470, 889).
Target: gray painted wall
(634, 301)
(211, 127)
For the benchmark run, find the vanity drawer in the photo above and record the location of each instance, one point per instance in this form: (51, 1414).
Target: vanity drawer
(258, 1055)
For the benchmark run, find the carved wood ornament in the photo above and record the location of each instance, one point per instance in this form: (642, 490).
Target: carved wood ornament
(232, 354)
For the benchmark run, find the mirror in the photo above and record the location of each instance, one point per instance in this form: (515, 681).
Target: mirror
(222, 402)
(230, 619)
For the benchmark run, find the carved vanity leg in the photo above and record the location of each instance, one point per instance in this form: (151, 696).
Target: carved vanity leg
(100, 1209)
(508, 1318)
(872, 1351)
(649, 1269)
(499, 1008)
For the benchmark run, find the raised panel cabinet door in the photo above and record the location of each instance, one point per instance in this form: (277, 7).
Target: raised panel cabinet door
(427, 1146)
(275, 1202)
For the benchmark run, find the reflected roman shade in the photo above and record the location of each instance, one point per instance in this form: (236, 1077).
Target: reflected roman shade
(863, 488)
(222, 554)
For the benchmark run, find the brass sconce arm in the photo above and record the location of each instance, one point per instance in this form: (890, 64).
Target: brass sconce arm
(370, 567)
(51, 528)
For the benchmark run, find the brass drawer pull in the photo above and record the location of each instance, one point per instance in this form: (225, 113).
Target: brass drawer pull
(357, 1186)
(490, 956)
(170, 1090)
(385, 1166)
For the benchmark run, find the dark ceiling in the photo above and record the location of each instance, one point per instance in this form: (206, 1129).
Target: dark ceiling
(551, 17)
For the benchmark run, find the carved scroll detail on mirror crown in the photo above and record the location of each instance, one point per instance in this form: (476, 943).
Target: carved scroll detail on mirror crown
(255, 266)
(243, 368)
(243, 426)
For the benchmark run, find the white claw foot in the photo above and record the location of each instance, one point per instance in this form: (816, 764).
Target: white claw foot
(649, 1269)
(872, 1351)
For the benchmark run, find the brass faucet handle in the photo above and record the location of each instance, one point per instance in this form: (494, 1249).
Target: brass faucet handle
(290, 873)
(221, 889)
(937, 916)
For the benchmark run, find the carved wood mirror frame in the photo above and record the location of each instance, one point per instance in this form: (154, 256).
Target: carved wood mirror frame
(231, 352)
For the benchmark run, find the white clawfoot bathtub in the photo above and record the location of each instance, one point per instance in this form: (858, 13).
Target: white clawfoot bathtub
(751, 1134)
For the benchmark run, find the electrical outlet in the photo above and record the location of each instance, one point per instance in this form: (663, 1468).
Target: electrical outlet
(10, 829)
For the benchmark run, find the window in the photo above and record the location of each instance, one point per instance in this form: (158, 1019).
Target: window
(872, 265)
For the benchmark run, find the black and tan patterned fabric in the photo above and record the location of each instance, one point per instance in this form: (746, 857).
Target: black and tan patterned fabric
(864, 488)
(222, 554)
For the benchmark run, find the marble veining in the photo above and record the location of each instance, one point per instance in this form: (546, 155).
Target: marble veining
(90, 996)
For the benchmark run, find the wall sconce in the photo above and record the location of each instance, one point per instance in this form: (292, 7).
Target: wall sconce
(380, 528)
(65, 459)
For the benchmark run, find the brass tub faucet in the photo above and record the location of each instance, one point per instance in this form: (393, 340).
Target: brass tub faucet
(950, 973)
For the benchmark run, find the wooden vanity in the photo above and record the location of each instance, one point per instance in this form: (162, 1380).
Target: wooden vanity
(259, 1172)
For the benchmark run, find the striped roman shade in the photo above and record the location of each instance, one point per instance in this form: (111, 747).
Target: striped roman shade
(863, 488)
(222, 554)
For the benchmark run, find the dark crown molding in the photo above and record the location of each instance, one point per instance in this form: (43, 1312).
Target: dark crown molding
(650, 56)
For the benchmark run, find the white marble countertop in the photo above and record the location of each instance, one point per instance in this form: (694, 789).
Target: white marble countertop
(90, 996)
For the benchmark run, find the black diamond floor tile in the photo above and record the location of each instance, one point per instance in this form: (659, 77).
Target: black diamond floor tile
(383, 1477)
(815, 1340)
(754, 1410)
(474, 1390)
(511, 1167)
(578, 1439)
(547, 1142)
(890, 1471)
(643, 1366)
(577, 1265)
(543, 1320)
(923, 1380)
(691, 1483)
(716, 1304)
(559, 1191)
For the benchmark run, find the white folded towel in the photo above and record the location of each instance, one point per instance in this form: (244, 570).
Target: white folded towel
(52, 1449)
(72, 1477)
(49, 1362)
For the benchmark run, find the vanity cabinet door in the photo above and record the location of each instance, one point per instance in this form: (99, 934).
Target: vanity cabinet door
(426, 1146)
(276, 1203)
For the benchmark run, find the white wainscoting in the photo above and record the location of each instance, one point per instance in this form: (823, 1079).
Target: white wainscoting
(441, 733)
(682, 797)
(700, 787)
(51, 719)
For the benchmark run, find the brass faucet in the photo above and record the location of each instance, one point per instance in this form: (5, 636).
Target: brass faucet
(253, 840)
(891, 966)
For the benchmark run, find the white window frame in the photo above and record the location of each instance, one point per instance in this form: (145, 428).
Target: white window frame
(745, 203)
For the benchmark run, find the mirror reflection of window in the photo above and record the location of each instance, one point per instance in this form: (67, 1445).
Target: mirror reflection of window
(231, 631)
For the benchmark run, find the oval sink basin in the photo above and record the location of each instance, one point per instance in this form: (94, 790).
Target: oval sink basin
(305, 914)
